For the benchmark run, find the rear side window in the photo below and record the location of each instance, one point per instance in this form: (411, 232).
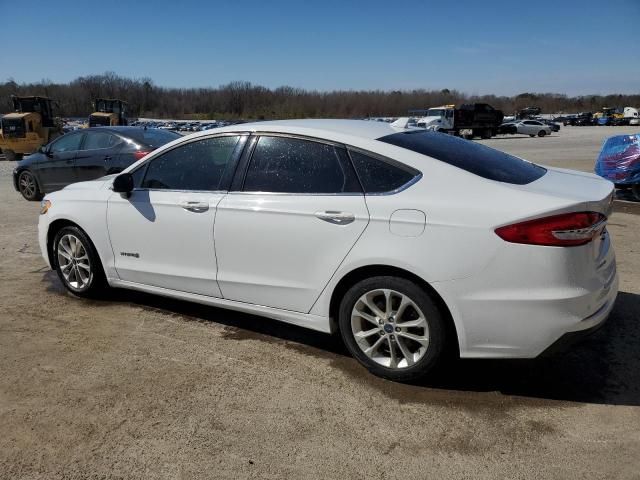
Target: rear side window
(195, 166)
(379, 176)
(99, 140)
(293, 165)
(470, 156)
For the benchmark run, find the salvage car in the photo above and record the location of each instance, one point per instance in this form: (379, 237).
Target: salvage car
(352, 227)
(85, 154)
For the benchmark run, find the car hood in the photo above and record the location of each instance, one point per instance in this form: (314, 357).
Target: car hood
(30, 160)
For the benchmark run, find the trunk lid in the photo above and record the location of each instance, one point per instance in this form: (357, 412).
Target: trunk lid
(573, 190)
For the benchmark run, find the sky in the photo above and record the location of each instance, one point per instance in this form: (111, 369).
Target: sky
(576, 47)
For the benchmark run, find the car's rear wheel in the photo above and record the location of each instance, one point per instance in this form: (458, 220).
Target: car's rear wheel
(393, 327)
(542, 133)
(28, 186)
(77, 263)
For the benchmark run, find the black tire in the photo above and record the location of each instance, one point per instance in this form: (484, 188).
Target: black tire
(9, 155)
(435, 332)
(96, 283)
(542, 133)
(635, 190)
(28, 186)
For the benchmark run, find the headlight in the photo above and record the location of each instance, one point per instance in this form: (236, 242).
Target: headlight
(45, 205)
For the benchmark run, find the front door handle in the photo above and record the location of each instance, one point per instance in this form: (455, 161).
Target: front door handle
(337, 218)
(196, 207)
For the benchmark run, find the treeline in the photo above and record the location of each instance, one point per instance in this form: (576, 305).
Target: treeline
(244, 100)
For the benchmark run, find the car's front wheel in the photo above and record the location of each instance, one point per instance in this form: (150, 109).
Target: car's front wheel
(77, 263)
(542, 133)
(393, 327)
(28, 186)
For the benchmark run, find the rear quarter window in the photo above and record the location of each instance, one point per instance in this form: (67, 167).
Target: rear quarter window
(468, 155)
(153, 137)
(380, 176)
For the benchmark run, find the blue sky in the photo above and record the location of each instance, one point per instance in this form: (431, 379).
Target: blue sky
(502, 47)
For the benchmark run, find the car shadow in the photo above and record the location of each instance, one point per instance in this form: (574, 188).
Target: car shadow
(604, 368)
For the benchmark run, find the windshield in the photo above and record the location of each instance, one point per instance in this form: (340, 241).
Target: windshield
(435, 112)
(468, 155)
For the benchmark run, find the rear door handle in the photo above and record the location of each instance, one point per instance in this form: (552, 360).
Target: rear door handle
(196, 207)
(337, 218)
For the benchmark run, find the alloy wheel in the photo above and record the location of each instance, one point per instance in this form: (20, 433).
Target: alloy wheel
(390, 328)
(28, 185)
(73, 262)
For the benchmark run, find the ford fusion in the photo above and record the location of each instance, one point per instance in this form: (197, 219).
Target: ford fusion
(406, 242)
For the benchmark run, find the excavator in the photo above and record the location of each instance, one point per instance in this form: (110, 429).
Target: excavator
(109, 112)
(28, 127)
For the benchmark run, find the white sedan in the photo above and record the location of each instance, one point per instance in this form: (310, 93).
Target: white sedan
(352, 227)
(533, 128)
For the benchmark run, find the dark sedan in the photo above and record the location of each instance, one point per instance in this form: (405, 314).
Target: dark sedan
(85, 155)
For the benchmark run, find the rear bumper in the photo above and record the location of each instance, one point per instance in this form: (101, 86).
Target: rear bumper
(570, 339)
(529, 298)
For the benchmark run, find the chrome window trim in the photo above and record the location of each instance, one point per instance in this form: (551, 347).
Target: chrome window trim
(191, 140)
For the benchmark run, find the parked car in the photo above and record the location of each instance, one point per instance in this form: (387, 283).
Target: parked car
(84, 155)
(533, 128)
(332, 225)
(582, 119)
(509, 128)
(555, 127)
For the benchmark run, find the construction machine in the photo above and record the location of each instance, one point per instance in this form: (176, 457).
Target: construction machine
(28, 127)
(608, 116)
(109, 112)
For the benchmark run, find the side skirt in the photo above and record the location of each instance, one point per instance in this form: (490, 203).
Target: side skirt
(313, 322)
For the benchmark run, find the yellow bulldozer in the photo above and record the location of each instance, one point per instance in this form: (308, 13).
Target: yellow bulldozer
(30, 126)
(109, 112)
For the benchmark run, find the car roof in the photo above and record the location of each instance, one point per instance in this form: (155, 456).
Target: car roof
(118, 129)
(321, 128)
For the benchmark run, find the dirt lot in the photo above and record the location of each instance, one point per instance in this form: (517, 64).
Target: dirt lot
(139, 386)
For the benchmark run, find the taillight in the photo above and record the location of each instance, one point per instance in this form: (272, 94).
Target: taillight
(139, 154)
(566, 230)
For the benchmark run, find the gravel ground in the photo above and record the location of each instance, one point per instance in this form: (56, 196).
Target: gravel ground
(137, 386)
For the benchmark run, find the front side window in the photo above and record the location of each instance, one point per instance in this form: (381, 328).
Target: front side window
(67, 143)
(293, 165)
(198, 165)
(379, 176)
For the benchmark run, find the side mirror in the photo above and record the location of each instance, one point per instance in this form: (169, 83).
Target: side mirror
(123, 183)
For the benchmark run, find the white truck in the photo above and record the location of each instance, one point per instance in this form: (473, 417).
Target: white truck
(632, 114)
(469, 120)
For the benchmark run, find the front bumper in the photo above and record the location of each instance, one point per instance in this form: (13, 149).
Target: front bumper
(43, 229)
(15, 180)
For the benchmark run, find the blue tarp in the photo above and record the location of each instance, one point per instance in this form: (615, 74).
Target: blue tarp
(619, 159)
